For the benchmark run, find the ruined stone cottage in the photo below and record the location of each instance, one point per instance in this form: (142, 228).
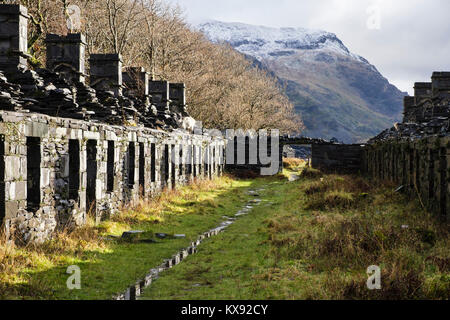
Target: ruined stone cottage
(68, 149)
(416, 153)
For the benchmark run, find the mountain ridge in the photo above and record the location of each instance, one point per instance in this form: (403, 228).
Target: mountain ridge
(338, 93)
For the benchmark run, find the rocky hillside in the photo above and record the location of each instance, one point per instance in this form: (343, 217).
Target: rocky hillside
(338, 94)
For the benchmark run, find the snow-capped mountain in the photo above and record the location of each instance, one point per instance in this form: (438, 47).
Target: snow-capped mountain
(338, 93)
(265, 42)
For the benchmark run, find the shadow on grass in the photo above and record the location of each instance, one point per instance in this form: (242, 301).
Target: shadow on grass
(107, 272)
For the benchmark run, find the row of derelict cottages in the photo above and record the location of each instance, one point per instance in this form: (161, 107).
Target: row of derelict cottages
(68, 149)
(55, 171)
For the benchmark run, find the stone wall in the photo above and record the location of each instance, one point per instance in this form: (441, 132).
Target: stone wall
(337, 157)
(69, 149)
(430, 101)
(422, 167)
(415, 154)
(56, 171)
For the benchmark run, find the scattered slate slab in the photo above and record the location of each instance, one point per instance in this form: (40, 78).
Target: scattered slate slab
(229, 218)
(176, 260)
(253, 193)
(170, 236)
(132, 232)
(138, 236)
(132, 235)
(219, 229)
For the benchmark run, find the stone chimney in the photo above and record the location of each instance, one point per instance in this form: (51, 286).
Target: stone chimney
(159, 90)
(106, 72)
(422, 90)
(136, 81)
(177, 96)
(441, 84)
(13, 37)
(66, 54)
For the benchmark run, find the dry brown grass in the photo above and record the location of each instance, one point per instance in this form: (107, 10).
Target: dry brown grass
(355, 223)
(153, 209)
(310, 173)
(333, 192)
(293, 164)
(16, 259)
(67, 245)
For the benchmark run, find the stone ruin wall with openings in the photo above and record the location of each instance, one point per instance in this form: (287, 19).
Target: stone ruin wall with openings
(416, 153)
(68, 149)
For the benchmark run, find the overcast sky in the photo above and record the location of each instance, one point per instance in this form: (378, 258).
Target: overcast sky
(410, 39)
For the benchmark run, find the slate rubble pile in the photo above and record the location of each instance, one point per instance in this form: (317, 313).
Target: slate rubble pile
(9, 95)
(426, 114)
(60, 90)
(47, 92)
(413, 131)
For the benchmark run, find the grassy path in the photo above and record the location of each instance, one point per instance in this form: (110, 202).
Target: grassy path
(229, 266)
(314, 239)
(109, 267)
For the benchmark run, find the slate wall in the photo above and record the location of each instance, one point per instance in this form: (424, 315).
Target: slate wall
(337, 158)
(422, 167)
(40, 165)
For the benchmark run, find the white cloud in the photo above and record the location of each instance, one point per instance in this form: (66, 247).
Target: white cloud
(412, 42)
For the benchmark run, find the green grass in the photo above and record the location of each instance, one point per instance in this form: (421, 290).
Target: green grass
(109, 267)
(224, 265)
(309, 239)
(315, 239)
